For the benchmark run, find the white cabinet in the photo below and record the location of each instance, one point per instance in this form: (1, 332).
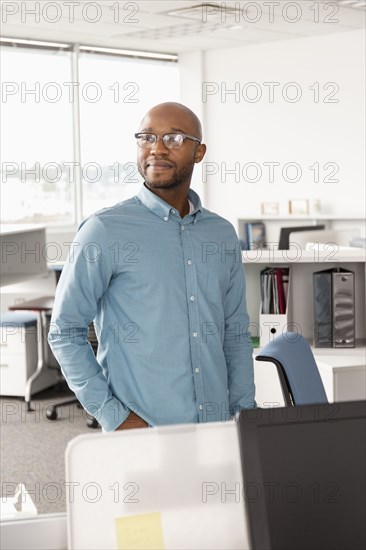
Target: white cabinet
(354, 226)
(343, 375)
(19, 358)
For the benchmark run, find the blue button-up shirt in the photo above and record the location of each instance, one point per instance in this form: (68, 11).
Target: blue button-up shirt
(167, 296)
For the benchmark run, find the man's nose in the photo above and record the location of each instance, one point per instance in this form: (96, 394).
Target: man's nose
(159, 146)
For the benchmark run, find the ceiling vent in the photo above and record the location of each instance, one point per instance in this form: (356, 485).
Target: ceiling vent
(208, 12)
(355, 4)
(193, 21)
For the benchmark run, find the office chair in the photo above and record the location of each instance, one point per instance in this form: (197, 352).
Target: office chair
(299, 376)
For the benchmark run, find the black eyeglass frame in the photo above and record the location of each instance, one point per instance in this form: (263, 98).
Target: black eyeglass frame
(184, 136)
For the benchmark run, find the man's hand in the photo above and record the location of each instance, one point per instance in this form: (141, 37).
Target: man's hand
(133, 421)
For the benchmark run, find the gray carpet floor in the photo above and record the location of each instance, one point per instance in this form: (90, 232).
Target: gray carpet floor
(33, 447)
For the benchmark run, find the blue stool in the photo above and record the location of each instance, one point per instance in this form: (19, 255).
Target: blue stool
(18, 320)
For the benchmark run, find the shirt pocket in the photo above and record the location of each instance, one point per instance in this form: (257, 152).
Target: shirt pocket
(218, 280)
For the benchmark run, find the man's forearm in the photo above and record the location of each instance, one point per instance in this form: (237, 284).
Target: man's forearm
(85, 376)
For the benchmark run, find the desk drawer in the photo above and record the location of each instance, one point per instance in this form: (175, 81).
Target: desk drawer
(18, 360)
(15, 340)
(26, 360)
(13, 376)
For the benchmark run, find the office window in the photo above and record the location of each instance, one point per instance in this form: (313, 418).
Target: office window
(36, 136)
(115, 94)
(67, 144)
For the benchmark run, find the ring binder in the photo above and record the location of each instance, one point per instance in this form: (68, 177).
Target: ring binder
(273, 315)
(334, 308)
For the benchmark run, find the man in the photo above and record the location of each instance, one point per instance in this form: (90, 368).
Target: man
(163, 279)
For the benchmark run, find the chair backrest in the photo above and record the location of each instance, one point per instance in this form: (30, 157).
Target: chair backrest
(300, 380)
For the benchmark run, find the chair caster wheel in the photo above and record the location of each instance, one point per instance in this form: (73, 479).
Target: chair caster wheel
(51, 414)
(92, 423)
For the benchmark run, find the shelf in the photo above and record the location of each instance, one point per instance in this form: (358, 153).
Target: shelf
(302, 268)
(358, 353)
(265, 256)
(343, 370)
(303, 217)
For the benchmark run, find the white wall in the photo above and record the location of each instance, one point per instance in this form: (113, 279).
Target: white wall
(191, 70)
(305, 132)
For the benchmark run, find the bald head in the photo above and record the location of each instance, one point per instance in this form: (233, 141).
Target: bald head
(168, 170)
(178, 116)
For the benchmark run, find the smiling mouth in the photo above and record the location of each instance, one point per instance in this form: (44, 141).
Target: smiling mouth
(159, 166)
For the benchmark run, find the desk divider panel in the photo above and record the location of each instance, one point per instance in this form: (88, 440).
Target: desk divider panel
(181, 483)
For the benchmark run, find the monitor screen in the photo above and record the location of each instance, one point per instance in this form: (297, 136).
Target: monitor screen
(304, 476)
(284, 242)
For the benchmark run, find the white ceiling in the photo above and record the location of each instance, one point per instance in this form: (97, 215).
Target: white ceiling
(149, 25)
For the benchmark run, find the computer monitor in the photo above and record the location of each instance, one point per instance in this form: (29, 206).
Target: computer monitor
(284, 241)
(304, 476)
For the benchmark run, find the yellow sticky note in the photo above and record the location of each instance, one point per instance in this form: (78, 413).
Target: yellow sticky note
(142, 532)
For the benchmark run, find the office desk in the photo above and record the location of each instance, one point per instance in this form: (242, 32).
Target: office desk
(44, 532)
(44, 376)
(16, 240)
(344, 376)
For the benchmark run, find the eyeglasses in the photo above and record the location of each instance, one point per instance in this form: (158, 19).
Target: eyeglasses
(171, 141)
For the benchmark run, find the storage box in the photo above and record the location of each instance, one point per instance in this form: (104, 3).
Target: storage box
(274, 324)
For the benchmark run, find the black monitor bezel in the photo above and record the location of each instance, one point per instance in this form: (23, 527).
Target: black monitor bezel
(249, 423)
(284, 240)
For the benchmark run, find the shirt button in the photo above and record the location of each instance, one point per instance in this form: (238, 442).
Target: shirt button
(189, 262)
(197, 370)
(200, 407)
(195, 335)
(165, 218)
(192, 298)
(172, 211)
(182, 227)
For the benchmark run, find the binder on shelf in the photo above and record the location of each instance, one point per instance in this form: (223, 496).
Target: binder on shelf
(334, 308)
(252, 235)
(273, 315)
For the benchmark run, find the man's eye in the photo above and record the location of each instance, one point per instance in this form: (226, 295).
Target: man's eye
(148, 138)
(173, 138)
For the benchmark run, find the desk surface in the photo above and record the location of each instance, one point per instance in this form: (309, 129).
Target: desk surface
(14, 228)
(38, 304)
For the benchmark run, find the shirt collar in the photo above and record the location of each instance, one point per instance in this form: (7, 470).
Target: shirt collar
(162, 208)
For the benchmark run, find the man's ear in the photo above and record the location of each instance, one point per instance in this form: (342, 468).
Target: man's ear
(200, 153)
